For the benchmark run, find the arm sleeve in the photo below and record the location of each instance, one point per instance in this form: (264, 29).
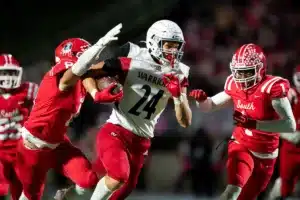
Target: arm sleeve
(114, 66)
(216, 102)
(286, 123)
(123, 51)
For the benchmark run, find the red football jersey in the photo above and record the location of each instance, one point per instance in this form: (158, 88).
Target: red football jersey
(256, 103)
(294, 97)
(14, 110)
(53, 109)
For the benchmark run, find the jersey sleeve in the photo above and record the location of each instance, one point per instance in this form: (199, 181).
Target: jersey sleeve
(32, 90)
(185, 73)
(123, 51)
(114, 66)
(228, 85)
(279, 89)
(61, 66)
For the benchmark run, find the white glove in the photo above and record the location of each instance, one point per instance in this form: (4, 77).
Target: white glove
(84, 61)
(110, 36)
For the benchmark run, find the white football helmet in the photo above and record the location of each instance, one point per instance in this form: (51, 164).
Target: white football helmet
(165, 30)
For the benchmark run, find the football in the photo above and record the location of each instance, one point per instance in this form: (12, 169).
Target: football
(104, 82)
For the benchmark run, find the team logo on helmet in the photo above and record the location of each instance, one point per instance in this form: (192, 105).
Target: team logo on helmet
(67, 48)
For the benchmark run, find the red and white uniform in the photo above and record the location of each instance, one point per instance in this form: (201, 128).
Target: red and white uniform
(256, 104)
(46, 128)
(261, 111)
(252, 154)
(14, 111)
(289, 153)
(15, 106)
(16, 99)
(53, 109)
(127, 133)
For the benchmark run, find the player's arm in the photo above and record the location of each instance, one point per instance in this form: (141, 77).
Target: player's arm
(281, 105)
(209, 104)
(182, 109)
(109, 67)
(286, 122)
(81, 66)
(293, 137)
(178, 90)
(103, 96)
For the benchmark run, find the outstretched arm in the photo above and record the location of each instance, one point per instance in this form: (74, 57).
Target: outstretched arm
(80, 67)
(209, 104)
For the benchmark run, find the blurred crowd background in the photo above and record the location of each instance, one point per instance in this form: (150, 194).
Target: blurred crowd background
(182, 161)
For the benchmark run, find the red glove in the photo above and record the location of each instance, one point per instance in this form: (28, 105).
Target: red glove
(106, 96)
(172, 84)
(198, 95)
(243, 121)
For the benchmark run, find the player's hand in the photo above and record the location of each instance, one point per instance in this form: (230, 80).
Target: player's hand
(110, 35)
(243, 121)
(172, 83)
(106, 95)
(198, 95)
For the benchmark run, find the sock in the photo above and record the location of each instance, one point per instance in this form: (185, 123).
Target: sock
(101, 191)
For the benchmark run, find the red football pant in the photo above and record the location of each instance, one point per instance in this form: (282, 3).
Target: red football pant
(122, 154)
(8, 176)
(289, 169)
(33, 165)
(9, 180)
(250, 173)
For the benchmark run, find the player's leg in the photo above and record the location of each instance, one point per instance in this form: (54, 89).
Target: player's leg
(136, 164)
(258, 181)
(289, 171)
(4, 184)
(72, 163)
(240, 165)
(15, 186)
(31, 169)
(113, 154)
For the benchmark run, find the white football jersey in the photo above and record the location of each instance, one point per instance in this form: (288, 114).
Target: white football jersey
(145, 96)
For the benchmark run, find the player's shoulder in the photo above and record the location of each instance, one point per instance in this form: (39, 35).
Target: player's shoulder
(184, 69)
(228, 86)
(30, 89)
(61, 66)
(275, 86)
(134, 50)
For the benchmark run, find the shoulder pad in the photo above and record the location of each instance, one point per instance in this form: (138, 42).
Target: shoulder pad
(276, 87)
(228, 84)
(184, 69)
(134, 50)
(61, 66)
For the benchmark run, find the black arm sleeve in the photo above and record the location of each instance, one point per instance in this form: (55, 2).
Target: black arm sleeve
(122, 51)
(112, 66)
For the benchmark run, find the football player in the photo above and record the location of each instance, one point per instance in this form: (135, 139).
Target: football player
(16, 99)
(289, 156)
(261, 111)
(60, 96)
(150, 77)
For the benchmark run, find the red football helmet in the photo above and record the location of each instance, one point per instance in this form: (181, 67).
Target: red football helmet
(71, 48)
(248, 66)
(10, 72)
(296, 77)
